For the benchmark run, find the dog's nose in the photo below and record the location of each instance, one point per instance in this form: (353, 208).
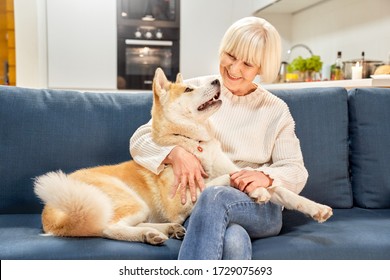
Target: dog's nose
(216, 83)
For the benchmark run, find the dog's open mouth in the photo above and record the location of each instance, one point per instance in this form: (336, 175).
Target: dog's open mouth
(211, 102)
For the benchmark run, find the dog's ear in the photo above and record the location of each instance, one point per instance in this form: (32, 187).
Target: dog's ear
(160, 81)
(179, 78)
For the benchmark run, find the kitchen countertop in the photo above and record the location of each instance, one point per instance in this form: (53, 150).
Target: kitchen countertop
(341, 83)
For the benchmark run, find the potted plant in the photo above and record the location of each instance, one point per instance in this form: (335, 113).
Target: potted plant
(306, 69)
(313, 67)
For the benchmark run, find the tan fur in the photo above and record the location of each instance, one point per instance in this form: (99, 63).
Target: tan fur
(128, 202)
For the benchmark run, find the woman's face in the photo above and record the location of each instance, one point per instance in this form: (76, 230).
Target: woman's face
(237, 75)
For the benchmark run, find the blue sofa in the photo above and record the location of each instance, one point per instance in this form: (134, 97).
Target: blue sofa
(345, 139)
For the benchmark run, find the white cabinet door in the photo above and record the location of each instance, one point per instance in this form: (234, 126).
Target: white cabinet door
(81, 37)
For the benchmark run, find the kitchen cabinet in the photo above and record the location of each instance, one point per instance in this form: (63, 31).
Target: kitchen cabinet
(81, 44)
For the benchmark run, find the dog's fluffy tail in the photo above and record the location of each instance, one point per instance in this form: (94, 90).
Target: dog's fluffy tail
(74, 208)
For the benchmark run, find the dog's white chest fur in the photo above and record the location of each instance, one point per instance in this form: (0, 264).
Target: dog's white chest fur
(214, 161)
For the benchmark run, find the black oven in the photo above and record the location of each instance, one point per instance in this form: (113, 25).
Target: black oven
(148, 37)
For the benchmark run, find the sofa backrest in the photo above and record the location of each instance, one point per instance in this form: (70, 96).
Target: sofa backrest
(46, 130)
(321, 119)
(369, 113)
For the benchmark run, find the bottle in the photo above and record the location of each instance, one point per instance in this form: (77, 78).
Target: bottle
(363, 66)
(336, 69)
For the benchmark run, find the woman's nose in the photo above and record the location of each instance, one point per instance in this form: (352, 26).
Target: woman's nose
(235, 67)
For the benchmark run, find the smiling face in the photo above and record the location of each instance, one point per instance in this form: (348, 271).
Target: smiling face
(251, 46)
(237, 74)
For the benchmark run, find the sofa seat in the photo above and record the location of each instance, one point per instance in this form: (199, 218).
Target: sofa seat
(22, 238)
(348, 234)
(301, 238)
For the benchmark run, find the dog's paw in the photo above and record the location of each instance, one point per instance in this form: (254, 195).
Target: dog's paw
(322, 213)
(154, 237)
(176, 231)
(223, 180)
(260, 195)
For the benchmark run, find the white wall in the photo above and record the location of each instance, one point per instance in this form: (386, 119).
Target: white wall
(350, 26)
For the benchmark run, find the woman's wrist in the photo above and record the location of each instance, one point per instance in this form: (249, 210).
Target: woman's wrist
(270, 180)
(170, 158)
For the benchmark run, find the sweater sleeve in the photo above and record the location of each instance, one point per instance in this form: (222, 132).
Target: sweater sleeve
(287, 167)
(145, 151)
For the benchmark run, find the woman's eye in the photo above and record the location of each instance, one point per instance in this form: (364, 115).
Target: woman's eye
(188, 89)
(231, 56)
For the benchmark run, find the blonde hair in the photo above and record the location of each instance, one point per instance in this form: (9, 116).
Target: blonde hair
(255, 41)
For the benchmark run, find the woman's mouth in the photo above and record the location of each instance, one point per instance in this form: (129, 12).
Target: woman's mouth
(232, 77)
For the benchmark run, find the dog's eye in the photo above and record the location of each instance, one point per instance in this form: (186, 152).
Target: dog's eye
(188, 89)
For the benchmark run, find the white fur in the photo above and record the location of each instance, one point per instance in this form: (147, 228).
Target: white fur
(60, 191)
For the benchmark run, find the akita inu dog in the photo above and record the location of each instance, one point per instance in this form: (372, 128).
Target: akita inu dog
(128, 202)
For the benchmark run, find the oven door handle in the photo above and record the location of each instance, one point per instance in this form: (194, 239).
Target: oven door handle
(148, 43)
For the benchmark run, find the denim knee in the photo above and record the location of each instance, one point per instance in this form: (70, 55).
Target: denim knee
(220, 195)
(237, 244)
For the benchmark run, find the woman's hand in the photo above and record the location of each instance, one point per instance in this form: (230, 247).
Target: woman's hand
(248, 180)
(188, 171)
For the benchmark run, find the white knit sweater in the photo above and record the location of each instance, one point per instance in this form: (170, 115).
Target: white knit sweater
(256, 131)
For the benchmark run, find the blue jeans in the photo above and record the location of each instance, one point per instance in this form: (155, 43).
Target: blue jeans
(223, 222)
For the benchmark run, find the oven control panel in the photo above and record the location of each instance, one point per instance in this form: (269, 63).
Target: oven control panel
(148, 34)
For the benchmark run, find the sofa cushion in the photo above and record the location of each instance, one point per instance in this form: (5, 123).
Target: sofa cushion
(350, 234)
(321, 117)
(46, 130)
(369, 111)
(20, 238)
(355, 233)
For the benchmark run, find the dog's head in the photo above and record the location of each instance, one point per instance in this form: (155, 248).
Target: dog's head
(178, 101)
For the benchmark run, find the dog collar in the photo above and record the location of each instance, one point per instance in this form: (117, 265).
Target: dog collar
(199, 148)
